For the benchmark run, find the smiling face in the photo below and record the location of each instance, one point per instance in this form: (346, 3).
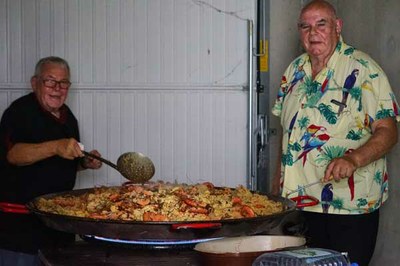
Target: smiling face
(51, 99)
(319, 30)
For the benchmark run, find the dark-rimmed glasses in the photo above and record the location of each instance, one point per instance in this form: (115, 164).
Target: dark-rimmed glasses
(51, 83)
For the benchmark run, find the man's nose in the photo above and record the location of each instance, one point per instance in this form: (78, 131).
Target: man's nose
(313, 29)
(57, 86)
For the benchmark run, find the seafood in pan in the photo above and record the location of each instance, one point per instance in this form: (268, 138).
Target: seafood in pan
(158, 201)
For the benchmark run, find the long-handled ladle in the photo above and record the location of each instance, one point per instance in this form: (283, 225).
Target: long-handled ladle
(134, 166)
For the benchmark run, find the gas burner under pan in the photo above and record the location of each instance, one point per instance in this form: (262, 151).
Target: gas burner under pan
(149, 243)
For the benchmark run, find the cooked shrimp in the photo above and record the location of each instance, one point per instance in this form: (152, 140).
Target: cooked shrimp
(247, 212)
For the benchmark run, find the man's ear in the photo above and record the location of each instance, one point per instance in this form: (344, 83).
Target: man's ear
(34, 81)
(339, 26)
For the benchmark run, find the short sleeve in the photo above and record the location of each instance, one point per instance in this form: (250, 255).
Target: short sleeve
(378, 99)
(277, 108)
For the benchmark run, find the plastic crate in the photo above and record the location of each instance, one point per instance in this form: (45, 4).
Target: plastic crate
(303, 257)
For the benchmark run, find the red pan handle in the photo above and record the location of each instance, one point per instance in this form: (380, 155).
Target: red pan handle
(311, 201)
(13, 208)
(196, 226)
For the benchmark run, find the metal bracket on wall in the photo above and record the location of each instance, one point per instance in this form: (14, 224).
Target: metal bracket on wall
(272, 132)
(261, 129)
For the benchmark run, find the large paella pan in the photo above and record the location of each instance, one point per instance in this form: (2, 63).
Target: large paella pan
(192, 213)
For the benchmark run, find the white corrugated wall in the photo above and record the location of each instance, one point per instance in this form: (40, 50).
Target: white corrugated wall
(163, 77)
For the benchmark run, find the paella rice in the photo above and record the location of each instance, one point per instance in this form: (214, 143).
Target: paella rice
(162, 202)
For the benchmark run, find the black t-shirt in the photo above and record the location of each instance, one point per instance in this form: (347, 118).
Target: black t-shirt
(25, 121)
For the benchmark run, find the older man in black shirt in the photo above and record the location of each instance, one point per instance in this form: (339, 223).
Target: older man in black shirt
(39, 154)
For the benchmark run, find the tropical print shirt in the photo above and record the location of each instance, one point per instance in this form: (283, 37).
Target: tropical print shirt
(328, 117)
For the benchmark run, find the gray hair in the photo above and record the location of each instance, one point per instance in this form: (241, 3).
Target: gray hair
(52, 60)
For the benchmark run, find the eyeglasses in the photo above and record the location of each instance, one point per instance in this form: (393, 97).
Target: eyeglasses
(51, 83)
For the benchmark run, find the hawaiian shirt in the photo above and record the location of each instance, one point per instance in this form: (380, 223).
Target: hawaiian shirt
(327, 117)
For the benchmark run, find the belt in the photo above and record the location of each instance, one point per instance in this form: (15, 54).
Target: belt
(13, 208)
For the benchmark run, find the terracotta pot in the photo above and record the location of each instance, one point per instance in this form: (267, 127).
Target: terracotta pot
(242, 251)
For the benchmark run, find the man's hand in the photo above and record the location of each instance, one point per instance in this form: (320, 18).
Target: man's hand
(68, 148)
(340, 168)
(384, 137)
(90, 162)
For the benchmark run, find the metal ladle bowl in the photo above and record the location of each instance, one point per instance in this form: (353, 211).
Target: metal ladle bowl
(134, 166)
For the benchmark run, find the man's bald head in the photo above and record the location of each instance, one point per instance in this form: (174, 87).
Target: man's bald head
(320, 4)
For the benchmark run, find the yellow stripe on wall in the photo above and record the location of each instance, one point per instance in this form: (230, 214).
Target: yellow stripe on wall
(264, 58)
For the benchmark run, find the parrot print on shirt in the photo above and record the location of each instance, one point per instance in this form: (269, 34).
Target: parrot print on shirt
(291, 125)
(348, 85)
(394, 104)
(324, 84)
(385, 182)
(326, 197)
(368, 120)
(297, 76)
(281, 92)
(311, 131)
(315, 142)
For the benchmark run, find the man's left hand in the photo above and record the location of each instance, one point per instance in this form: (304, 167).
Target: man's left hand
(91, 163)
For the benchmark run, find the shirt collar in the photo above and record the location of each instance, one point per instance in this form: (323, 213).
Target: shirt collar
(339, 50)
(340, 47)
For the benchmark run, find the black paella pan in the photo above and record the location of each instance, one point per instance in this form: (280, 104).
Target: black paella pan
(140, 230)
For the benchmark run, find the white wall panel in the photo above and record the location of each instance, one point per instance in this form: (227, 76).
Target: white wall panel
(15, 41)
(218, 45)
(140, 41)
(167, 137)
(205, 43)
(58, 28)
(113, 17)
(180, 39)
(166, 42)
(206, 156)
(84, 113)
(45, 28)
(180, 136)
(193, 44)
(218, 135)
(100, 42)
(100, 137)
(194, 133)
(85, 41)
(72, 38)
(141, 122)
(153, 38)
(155, 130)
(29, 40)
(113, 133)
(161, 77)
(127, 41)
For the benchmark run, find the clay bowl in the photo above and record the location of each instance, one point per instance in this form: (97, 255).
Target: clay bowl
(242, 251)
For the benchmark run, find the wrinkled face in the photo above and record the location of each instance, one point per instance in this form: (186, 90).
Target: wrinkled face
(49, 92)
(319, 31)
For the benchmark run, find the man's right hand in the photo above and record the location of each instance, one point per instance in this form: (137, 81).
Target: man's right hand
(68, 148)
